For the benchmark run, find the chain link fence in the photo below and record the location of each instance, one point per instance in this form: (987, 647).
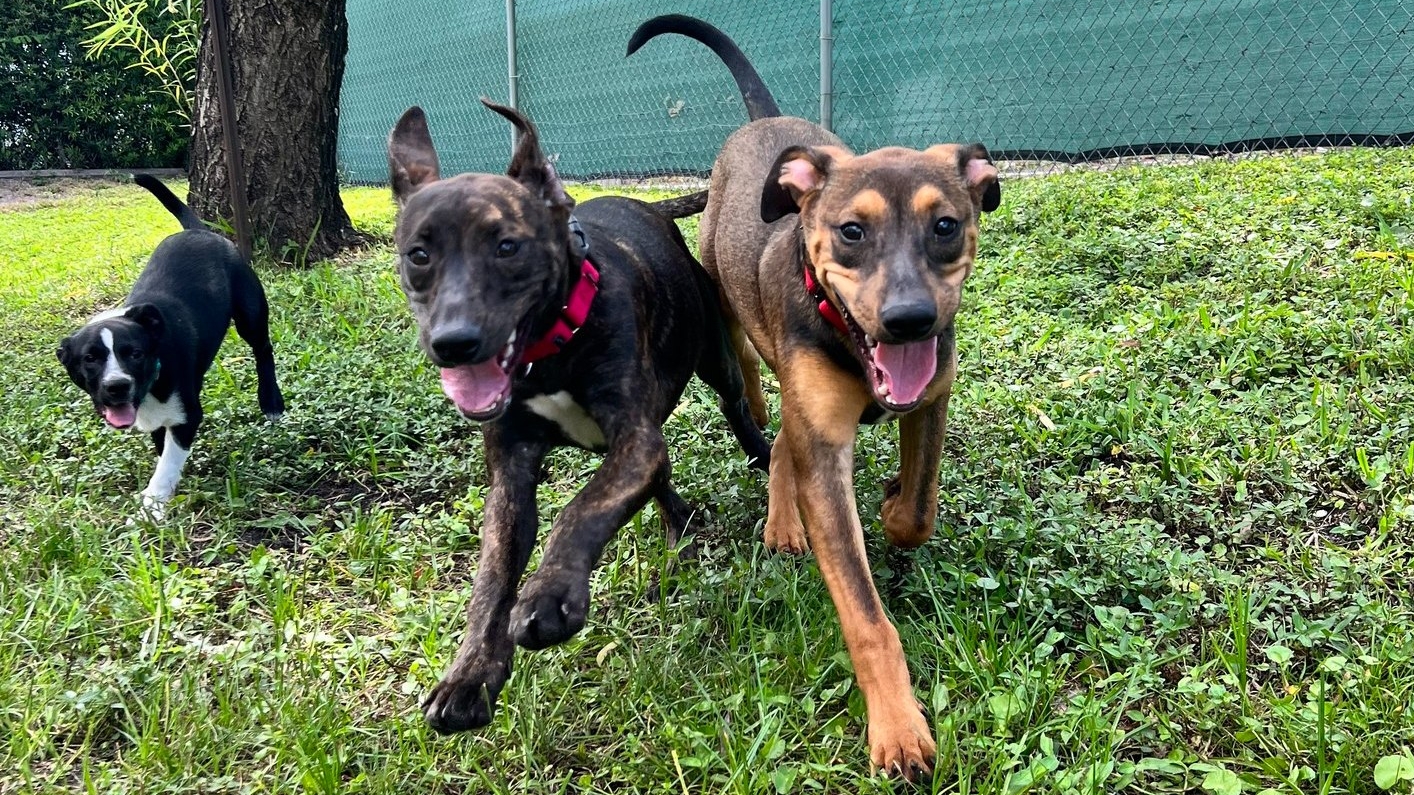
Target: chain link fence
(1043, 83)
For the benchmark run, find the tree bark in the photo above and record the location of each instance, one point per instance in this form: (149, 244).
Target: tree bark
(287, 64)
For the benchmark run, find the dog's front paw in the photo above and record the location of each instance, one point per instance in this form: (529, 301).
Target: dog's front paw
(465, 698)
(552, 607)
(272, 402)
(784, 532)
(154, 505)
(789, 540)
(901, 745)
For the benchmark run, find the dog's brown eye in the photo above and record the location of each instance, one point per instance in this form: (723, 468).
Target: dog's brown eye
(135, 355)
(852, 232)
(507, 248)
(90, 357)
(419, 257)
(945, 227)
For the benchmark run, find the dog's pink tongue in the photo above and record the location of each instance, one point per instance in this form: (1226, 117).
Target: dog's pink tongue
(908, 368)
(120, 416)
(475, 388)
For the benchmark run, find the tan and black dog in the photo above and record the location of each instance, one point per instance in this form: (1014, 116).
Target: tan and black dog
(844, 272)
(548, 341)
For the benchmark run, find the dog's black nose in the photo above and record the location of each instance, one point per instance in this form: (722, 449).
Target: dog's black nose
(457, 344)
(909, 321)
(118, 390)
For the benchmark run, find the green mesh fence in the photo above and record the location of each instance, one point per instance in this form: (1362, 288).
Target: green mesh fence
(1032, 79)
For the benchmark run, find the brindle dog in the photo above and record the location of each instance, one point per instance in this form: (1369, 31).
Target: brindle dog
(844, 272)
(489, 264)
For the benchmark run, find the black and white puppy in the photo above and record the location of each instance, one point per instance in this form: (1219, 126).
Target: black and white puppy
(143, 363)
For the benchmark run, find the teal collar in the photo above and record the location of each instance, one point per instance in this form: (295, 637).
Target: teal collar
(156, 371)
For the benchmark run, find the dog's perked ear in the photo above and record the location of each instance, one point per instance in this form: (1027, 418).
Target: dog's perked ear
(798, 173)
(149, 317)
(412, 160)
(529, 166)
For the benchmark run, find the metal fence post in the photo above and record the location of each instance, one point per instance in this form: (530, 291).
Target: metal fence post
(512, 78)
(827, 61)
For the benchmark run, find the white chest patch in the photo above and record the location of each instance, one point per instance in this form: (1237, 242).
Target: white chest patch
(575, 423)
(154, 413)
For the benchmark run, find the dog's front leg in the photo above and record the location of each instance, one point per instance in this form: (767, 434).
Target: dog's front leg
(820, 412)
(554, 603)
(466, 696)
(172, 454)
(910, 510)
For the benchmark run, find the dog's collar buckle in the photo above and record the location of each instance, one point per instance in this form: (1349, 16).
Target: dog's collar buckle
(572, 316)
(827, 309)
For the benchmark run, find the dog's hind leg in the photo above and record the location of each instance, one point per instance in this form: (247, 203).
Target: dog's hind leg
(252, 316)
(554, 603)
(721, 370)
(465, 698)
(749, 362)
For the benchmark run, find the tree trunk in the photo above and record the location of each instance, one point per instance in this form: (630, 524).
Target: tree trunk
(287, 65)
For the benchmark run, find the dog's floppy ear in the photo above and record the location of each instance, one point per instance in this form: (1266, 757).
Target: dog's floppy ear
(149, 317)
(798, 173)
(65, 352)
(974, 165)
(529, 166)
(981, 176)
(412, 160)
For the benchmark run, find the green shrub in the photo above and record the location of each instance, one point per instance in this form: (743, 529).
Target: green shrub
(61, 109)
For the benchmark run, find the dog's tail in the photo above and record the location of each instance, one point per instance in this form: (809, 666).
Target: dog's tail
(681, 206)
(175, 206)
(759, 102)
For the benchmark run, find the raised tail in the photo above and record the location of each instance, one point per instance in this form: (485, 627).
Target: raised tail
(759, 102)
(175, 206)
(681, 206)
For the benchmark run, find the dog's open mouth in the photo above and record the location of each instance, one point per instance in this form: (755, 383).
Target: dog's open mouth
(899, 373)
(121, 416)
(482, 391)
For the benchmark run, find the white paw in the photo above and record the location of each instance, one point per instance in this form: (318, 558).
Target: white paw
(154, 505)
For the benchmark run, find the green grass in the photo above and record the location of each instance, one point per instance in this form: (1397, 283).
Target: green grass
(1173, 549)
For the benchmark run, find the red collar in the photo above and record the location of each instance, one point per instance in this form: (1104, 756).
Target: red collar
(571, 317)
(827, 309)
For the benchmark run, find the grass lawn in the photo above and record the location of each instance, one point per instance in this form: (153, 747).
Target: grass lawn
(1175, 531)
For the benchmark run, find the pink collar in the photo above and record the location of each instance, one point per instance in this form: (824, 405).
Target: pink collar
(827, 309)
(571, 317)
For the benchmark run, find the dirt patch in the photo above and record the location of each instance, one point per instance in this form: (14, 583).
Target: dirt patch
(16, 194)
(23, 189)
